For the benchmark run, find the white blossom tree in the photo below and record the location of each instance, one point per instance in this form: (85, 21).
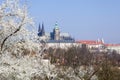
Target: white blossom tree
(15, 40)
(13, 21)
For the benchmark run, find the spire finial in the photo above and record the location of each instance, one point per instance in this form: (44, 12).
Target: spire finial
(56, 25)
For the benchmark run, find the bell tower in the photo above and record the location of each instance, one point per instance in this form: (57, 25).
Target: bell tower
(56, 32)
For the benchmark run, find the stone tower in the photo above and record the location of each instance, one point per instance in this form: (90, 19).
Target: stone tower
(56, 32)
(41, 31)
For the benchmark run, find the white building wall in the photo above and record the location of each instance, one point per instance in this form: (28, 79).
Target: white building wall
(116, 48)
(62, 45)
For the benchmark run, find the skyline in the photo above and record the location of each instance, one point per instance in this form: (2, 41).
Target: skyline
(83, 19)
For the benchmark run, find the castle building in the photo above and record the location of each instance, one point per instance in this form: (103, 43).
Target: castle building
(56, 39)
(56, 36)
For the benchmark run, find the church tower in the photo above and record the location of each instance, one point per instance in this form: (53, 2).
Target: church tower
(39, 28)
(56, 32)
(41, 32)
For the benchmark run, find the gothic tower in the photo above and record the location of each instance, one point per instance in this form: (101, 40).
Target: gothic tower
(43, 30)
(56, 32)
(39, 31)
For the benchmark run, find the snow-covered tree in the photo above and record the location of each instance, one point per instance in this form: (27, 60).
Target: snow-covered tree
(19, 59)
(14, 19)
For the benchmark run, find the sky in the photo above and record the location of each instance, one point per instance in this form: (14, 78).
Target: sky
(82, 19)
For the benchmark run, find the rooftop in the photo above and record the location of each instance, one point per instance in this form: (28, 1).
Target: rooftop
(112, 45)
(90, 42)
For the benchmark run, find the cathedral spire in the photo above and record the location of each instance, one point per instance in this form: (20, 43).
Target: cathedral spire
(39, 28)
(43, 30)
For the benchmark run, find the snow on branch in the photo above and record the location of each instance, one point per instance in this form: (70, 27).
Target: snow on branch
(13, 19)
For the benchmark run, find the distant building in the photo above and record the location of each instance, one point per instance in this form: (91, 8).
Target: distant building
(55, 36)
(57, 39)
(113, 47)
(93, 45)
(99, 45)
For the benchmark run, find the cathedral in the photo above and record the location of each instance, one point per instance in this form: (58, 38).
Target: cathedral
(55, 36)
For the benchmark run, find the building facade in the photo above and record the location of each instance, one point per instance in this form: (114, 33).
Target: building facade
(56, 36)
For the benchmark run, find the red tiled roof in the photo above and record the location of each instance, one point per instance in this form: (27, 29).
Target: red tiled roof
(90, 42)
(112, 44)
(93, 42)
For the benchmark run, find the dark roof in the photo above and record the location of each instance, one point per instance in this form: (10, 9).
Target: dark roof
(61, 41)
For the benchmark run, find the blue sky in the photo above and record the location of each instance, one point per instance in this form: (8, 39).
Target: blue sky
(83, 19)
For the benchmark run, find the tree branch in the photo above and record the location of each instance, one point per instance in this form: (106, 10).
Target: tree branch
(93, 74)
(3, 42)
